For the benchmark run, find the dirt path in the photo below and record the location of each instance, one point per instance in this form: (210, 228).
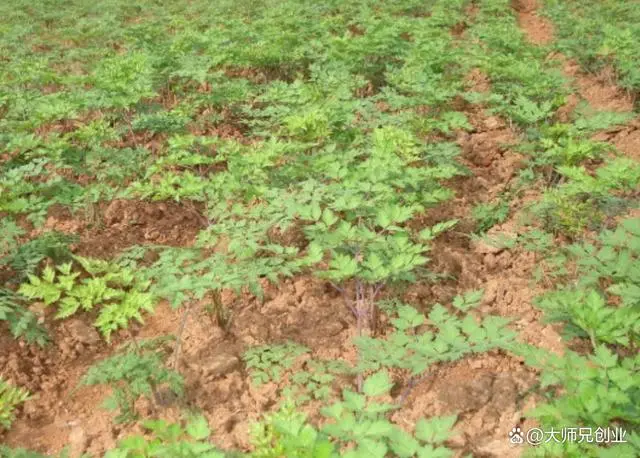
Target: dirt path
(599, 91)
(537, 28)
(488, 390)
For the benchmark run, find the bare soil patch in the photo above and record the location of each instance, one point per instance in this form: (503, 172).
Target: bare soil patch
(537, 29)
(625, 138)
(600, 91)
(120, 224)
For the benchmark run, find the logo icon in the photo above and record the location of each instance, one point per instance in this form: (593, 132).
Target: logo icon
(515, 436)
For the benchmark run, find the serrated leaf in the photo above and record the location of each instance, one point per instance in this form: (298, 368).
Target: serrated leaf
(377, 384)
(435, 430)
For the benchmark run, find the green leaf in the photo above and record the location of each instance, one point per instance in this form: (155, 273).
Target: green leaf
(469, 300)
(316, 212)
(380, 429)
(435, 430)
(344, 266)
(328, 217)
(431, 233)
(48, 274)
(198, 428)
(353, 401)
(377, 384)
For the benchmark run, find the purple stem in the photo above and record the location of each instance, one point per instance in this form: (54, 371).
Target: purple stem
(411, 384)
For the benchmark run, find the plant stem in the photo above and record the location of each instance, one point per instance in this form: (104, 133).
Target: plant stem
(154, 390)
(359, 324)
(411, 384)
(178, 346)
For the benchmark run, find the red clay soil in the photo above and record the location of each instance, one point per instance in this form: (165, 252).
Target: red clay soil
(486, 390)
(120, 224)
(600, 91)
(625, 138)
(537, 29)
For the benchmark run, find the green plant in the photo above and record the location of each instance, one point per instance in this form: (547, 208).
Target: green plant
(360, 218)
(137, 370)
(597, 302)
(10, 398)
(314, 138)
(117, 290)
(458, 333)
(22, 322)
(584, 200)
(268, 362)
(360, 425)
(169, 439)
(25, 258)
(560, 148)
(597, 390)
(287, 433)
(587, 308)
(525, 87)
(488, 215)
(11, 232)
(610, 30)
(315, 380)
(569, 214)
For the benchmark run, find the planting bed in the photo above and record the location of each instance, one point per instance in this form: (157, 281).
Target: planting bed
(312, 230)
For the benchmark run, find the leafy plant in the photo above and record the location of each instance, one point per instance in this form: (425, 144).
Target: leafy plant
(588, 309)
(169, 439)
(363, 224)
(598, 390)
(611, 29)
(586, 200)
(116, 289)
(316, 138)
(358, 427)
(22, 322)
(136, 371)
(597, 302)
(268, 362)
(10, 398)
(561, 148)
(25, 258)
(488, 215)
(315, 379)
(525, 87)
(287, 433)
(359, 423)
(407, 349)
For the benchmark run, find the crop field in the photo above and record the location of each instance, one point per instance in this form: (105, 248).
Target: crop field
(340, 228)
